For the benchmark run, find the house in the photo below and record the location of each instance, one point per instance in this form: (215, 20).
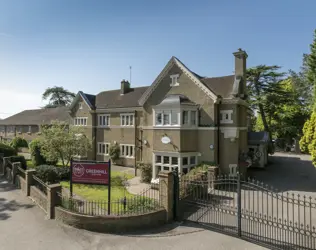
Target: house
(180, 120)
(27, 124)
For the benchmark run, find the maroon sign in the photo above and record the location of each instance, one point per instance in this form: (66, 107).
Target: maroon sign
(90, 173)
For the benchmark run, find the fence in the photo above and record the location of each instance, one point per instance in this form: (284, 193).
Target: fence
(38, 183)
(146, 202)
(250, 210)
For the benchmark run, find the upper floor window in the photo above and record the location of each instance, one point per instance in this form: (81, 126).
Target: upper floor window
(80, 105)
(189, 117)
(226, 116)
(30, 129)
(174, 80)
(80, 121)
(104, 120)
(127, 151)
(166, 118)
(127, 120)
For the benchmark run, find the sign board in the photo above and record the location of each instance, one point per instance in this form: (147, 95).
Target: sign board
(90, 173)
(165, 140)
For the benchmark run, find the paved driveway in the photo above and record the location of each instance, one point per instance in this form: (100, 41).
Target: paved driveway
(22, 226)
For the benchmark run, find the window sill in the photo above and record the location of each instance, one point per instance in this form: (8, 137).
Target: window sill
(226, 122)
(127, 157)
(102, 154)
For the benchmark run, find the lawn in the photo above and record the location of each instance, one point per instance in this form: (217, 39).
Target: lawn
(96, 192)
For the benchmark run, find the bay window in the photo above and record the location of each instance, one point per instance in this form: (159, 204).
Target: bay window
(175, 117)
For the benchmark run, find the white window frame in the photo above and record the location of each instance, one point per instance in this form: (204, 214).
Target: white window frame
(80, 105)
(171, 166)
(127, 117)
(81, 121)
(174, 80)
(179, 113)
(226, 116)
(102, 117)
(30, 129)
(100, 148)
(125, 150)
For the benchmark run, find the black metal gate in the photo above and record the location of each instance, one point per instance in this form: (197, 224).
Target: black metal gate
(249, 210)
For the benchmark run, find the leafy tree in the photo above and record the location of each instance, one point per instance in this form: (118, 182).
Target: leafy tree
(311, 67)
(59, 141)
(308, 140)
(265, 92)
(58, 96)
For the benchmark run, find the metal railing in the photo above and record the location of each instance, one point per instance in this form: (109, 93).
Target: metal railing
(148, 201)
(38, 183)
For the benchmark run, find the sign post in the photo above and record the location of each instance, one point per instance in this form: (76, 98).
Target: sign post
(91, 172)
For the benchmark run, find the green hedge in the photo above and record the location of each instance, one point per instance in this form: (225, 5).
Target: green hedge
(52, 174)
(18, 142)
(35, 150)
(7, 150)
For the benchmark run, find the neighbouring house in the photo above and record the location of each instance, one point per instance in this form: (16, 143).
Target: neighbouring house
(27, 124)
(180, 120)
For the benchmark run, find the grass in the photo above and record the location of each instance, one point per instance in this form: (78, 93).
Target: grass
(29, 164)
(96, 192)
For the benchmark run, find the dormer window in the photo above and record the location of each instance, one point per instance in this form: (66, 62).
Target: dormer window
(226, 116)
(174, 80)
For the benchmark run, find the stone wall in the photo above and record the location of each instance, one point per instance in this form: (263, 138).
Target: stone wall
(38, 197)
(111, 224)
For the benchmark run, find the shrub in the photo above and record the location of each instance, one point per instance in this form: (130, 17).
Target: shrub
(48, 174)
(18, 142)
(35, 150)
(308, 140)
(63, 173)
(146, 171)
(7, 150)
(114, 152)
(19, 158)
(141, 204)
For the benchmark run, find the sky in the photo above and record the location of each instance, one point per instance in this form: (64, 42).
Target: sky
(89, 45)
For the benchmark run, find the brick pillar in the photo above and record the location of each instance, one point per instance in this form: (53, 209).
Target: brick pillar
(212, 173)
(14, 172)
(4, 164)
(166, 192)
(29, 180)
(53, 199)
(1, 164)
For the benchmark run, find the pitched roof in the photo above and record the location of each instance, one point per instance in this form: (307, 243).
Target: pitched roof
(222, 86)
(114, 99)
(38, 116)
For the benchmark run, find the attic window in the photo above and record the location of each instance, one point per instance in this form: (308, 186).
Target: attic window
(80, 105)
(174, 80)
(226, 116)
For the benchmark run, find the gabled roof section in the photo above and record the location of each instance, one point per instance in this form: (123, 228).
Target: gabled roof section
(193, 76)
(222, 86)
(38, 116)
(87, 98)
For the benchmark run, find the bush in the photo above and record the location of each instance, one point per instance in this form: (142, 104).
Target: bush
(48, 174)
(35, 150)
(114, 152)
(141, 204)
(7, 150)
(18, 142)
(146, 171)
(63, 173)
(19, 159)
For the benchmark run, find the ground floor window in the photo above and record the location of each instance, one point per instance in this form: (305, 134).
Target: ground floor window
(127, 151)
(170, 161)
(103, 148)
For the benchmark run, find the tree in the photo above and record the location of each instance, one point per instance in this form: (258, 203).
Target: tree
(308, 140)
(60, 141)
(58, 96)
(311, 67)
(264, 91)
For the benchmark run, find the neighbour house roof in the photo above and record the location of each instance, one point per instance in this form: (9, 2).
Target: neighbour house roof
(38, 116)
(255, 138)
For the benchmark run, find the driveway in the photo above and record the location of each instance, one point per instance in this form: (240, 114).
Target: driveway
(23, 226)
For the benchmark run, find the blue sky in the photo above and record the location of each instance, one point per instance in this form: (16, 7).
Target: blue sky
(89, 45)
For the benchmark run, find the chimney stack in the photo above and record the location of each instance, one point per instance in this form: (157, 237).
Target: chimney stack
(240, 68)
(125, 87)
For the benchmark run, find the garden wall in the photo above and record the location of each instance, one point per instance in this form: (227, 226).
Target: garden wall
(22, 183)
(38, 197)
(111, 224)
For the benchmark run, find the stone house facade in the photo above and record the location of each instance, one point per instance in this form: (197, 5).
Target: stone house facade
(180, 120)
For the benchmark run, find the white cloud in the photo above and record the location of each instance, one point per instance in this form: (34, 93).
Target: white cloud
(15, 101)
